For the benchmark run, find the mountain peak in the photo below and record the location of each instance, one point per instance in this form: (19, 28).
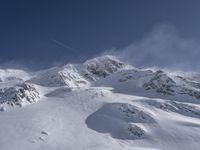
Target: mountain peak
(105, 60)
(103, 66)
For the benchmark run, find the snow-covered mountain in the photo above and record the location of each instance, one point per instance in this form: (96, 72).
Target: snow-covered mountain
(101, 104)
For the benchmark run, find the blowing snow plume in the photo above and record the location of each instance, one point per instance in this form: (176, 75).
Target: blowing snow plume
(164, 47)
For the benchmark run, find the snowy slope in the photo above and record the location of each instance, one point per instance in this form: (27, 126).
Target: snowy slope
(101, 104)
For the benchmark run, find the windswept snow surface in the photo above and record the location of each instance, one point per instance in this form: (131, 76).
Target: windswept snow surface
(102, 104)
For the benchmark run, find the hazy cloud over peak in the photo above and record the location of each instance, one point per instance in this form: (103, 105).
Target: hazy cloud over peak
(164, 47)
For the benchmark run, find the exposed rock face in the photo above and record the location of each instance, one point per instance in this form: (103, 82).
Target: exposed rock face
(190, 92)
(177, 107)
(185, 82)
(102, 67)
(132, 113)
(136, 131)
(161, 83)
(18, 95)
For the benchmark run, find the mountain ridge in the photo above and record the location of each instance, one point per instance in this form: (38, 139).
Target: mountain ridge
(102, 104)
(93, 70)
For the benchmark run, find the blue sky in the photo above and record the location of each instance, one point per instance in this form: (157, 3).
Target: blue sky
(42, 33)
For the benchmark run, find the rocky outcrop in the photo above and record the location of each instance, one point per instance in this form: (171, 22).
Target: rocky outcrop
(161, 83)
(101, 67)
(18, 96)
(185, 109)
(190, 92)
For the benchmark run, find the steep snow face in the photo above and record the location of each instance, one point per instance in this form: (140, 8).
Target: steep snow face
(65, 76)
(18, 96)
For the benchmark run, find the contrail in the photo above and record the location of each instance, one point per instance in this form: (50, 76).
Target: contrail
(64, 46)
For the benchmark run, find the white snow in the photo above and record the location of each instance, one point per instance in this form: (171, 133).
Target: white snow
(100, 105)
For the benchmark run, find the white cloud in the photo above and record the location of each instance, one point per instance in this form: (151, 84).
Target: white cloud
(163, 47)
